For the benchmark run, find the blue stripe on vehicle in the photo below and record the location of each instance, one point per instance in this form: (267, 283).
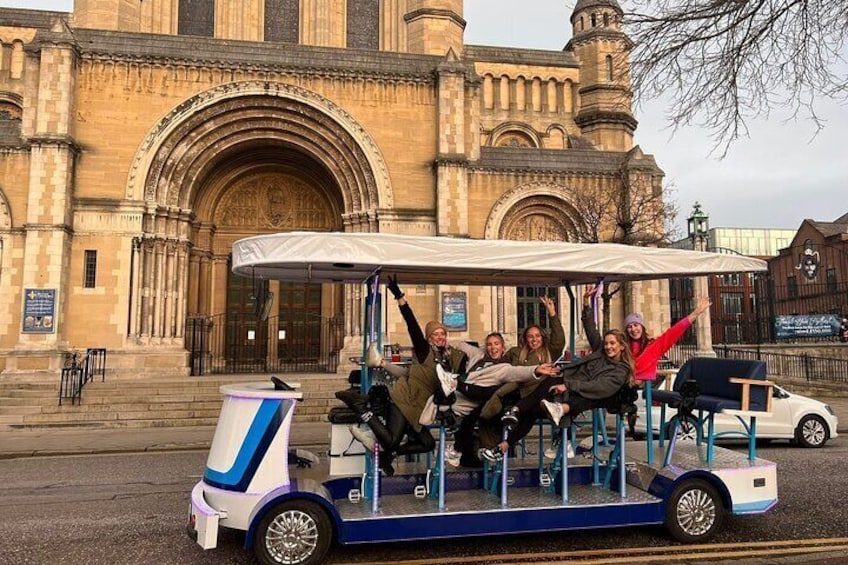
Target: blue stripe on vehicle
(754, 507)
(262, 431)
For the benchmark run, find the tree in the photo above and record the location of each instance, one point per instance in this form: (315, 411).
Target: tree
(631, 208)
(727, 61)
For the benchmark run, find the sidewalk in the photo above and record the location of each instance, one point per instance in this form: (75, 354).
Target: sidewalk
(35, 443)
(43, 442)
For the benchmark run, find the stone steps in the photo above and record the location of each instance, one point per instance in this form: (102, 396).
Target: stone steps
(153, 402)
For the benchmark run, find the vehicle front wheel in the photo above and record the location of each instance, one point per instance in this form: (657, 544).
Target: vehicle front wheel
(295, 532)
(811, 431)
(695, 511)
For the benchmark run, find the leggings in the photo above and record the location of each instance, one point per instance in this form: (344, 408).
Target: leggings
(398, 428)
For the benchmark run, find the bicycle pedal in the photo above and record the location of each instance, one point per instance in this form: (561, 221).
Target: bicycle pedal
(545, 480)
(510, 480)
(420, 491)
(354, 495)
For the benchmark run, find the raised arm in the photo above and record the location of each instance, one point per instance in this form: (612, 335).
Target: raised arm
(588, 319)
(420, 346)
(556, 343)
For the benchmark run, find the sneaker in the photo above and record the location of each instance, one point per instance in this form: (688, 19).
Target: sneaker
(493, 455)
(451, 452)
(447, 380)
(363, 436)
(554, 411)
(510, 418)
(553, 451)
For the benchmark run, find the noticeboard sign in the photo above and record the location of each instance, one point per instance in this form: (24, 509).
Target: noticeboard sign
(810, 325)
(454, 311)
(39, 311)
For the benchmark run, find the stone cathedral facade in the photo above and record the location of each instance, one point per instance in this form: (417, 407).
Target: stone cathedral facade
(139, 140)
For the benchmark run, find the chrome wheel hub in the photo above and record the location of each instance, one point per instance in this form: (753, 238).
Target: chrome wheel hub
(813, 432)
(291, 537)
(696, 512)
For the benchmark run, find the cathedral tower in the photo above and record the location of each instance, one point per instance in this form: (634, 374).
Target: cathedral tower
(605, 115)
(435, 26)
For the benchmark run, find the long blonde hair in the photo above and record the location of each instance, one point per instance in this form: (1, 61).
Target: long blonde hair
(626, 353)
(544, 352)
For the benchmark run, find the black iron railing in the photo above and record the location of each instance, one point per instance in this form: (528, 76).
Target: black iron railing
(800, 366)
(79, 370)
(242, 343)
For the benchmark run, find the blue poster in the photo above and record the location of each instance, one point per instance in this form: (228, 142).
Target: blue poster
(454, 313)
(39, 311)
(810, 325)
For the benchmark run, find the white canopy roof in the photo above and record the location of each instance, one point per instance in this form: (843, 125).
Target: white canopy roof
(353, 257)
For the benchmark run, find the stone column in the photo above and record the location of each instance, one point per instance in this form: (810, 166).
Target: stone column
(47, 125)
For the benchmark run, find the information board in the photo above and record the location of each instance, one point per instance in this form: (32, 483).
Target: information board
(454, 311)
(39, 311)
(809, 325)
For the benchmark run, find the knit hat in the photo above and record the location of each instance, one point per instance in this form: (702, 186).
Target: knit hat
(634, 318)
(432, 326)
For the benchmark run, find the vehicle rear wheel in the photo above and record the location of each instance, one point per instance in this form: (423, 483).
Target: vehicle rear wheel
(695, 511)
(687, 430)
(295, 532)
(811, 431)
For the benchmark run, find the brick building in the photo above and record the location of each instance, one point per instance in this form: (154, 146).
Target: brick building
(139, 140)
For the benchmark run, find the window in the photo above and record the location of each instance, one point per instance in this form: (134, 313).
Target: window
(831, 280)
(196, 17)
(282, 21)
(594, 20)
(792, 287)
(606, 19)
(363, 24)
(89, 278)
(732, 303)
(530, 310)
(609, 68)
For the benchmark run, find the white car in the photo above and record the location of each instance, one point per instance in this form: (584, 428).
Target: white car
(802, 420)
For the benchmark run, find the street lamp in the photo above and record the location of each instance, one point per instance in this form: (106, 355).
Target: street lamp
(698, 228)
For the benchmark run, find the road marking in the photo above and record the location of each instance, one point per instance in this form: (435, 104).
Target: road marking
(701, 552)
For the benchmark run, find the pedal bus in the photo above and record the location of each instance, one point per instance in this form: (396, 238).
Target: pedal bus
(687, 486)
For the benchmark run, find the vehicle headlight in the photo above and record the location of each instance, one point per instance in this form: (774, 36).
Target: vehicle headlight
(829, 409)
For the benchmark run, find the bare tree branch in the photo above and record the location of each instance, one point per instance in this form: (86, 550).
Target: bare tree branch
(725, 62)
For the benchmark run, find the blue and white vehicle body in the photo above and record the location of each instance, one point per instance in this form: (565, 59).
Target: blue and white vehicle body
(247, 485)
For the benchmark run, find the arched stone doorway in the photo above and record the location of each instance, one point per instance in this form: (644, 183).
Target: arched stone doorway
(239, 160)
(536, 211)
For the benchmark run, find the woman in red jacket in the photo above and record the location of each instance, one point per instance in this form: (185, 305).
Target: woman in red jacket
(647, 351)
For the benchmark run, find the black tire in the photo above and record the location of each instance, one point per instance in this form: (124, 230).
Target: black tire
(295, 532)
(686, 430)
(694, 512)
(811, 431)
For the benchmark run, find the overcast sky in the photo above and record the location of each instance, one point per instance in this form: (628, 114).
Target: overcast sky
(776, 178)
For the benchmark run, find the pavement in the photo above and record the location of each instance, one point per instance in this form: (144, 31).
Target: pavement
(78, 441)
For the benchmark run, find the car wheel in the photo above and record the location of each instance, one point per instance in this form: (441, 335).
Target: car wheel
(695, 511)
(687, 430)
(295, 532)
(811, 431)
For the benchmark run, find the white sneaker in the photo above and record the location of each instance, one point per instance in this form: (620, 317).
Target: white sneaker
(452, 457)
(364, 436)
(451, 452)
(447, 380)
(553, 451)
(554, 410)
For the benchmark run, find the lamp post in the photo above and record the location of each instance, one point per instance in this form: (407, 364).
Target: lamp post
(698, 228)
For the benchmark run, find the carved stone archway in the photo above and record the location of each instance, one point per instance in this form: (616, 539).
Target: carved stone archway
(536, 211)
(237, 129)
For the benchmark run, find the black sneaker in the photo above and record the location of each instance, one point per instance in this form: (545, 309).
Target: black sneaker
(493, 454)
(510, 418)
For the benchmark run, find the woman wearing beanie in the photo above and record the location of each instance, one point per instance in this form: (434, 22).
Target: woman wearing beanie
(647, 351)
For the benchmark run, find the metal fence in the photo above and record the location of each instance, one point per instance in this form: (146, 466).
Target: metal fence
(80, 370)
(243, 343)
(808, 367)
